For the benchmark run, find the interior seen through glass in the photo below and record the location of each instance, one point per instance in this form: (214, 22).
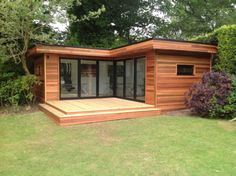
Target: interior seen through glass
(129, 79)
(88, 71)
(140, 86)
(69, 78)
(106, 78)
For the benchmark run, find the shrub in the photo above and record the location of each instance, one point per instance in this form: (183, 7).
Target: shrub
(225, 38)
(229, 109)
(208, 97)
(16, 91)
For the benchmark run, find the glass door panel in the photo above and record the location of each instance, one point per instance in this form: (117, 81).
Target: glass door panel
(140, 83)
(106, 78)
(88, 73)
(120, 78)
(68, 78)
(129, 79)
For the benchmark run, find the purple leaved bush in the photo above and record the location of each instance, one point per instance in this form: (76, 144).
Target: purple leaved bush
(211, 91)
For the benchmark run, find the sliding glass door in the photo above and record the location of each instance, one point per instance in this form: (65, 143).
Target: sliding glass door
(81, 78)
(130, 79)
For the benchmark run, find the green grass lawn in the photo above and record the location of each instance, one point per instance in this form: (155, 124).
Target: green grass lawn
(32, 145)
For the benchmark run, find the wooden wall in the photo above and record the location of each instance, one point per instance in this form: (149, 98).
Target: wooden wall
(163, 88)
(170, 88)
(51, 67)
(150, 80)
(39, 72)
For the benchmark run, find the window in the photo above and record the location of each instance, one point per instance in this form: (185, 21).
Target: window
(185, 70)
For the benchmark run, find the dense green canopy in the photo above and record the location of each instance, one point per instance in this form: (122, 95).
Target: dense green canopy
(225, 38)
(119, 24)
(126, 21)
(188, 18)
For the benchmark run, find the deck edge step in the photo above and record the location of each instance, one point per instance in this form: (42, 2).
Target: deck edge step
(65, 119)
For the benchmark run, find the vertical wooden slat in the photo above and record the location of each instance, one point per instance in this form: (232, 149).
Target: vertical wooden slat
(150, 80)
(52, 77)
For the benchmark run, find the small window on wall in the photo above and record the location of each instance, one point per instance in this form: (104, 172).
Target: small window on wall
(186, 70)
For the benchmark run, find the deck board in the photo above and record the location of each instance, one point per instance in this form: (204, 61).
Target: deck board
(98, 104)
(69, 112)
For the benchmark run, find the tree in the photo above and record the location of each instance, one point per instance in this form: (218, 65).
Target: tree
(120, 22)
(187, 18)
(25, 22)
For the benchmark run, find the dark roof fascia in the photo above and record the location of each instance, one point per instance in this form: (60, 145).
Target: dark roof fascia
(183, 41)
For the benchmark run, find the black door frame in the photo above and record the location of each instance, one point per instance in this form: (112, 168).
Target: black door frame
(135, 79)
(79, 78)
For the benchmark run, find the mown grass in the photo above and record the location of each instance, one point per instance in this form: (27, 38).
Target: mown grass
(31, 144)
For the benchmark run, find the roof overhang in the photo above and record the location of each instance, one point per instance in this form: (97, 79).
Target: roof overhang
(136, 48)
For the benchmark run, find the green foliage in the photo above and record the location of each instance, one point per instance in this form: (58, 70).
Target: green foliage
(229, 109)
(226, 49)
(225, 38)
(25, 22)
(122, 22)
(132, 20)
(16, 91)
(11, 67)
(214, 96)
(207, 97)
(185, 19)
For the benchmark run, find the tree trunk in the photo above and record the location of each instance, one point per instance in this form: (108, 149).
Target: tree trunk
(25, 67)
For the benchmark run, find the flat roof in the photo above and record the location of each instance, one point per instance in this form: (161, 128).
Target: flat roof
(134, 48)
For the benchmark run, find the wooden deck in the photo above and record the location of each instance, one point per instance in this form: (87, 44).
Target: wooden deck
(70, 112)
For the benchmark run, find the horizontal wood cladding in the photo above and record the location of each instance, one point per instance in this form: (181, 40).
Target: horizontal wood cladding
(150, 80)
(51, 77)
(171, 88)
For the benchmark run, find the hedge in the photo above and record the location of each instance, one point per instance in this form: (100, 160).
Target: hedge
(225, 39)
